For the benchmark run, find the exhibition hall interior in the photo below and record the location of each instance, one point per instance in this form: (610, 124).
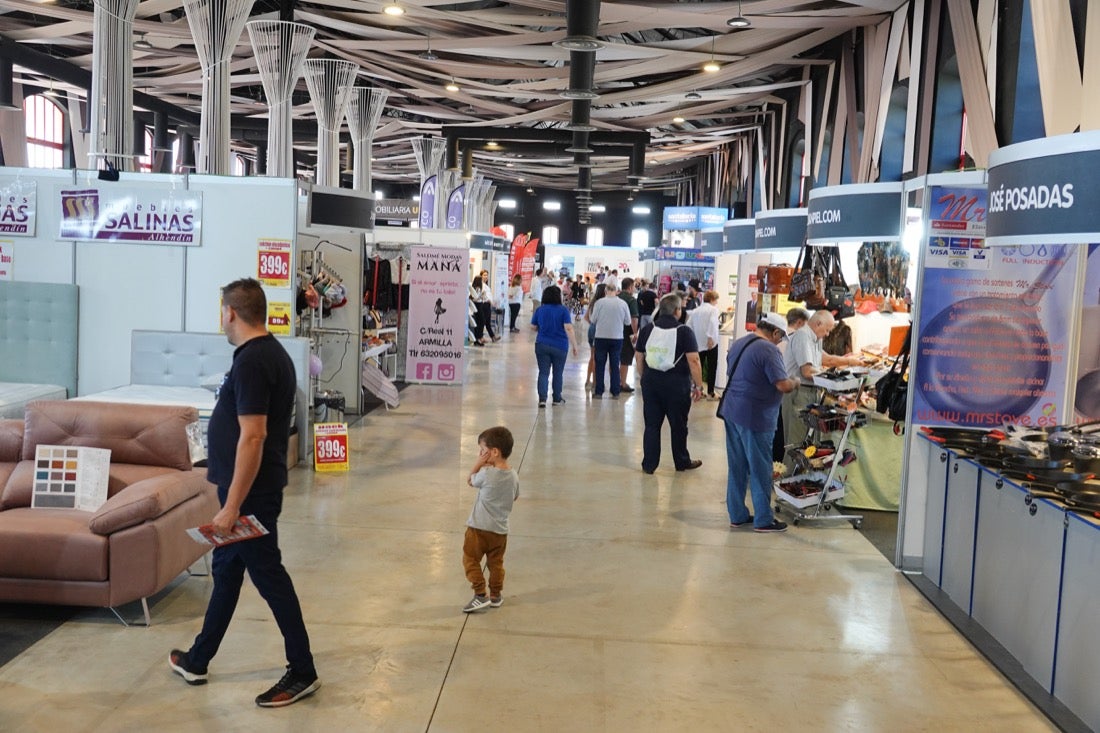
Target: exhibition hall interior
(381, 361)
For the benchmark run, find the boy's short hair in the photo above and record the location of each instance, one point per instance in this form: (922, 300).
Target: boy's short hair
(500, 438)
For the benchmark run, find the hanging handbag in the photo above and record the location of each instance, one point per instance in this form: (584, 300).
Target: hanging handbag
(779, 279)
(838, 298)
(893, 387)
(802, 281)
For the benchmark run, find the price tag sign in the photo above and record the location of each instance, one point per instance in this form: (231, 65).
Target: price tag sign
(330, 446)
(279, 318)
(273, 263)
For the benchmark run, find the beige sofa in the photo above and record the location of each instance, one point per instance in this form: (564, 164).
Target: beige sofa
(136, 543)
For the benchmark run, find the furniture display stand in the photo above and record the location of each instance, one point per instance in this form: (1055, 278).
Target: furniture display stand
(814, 506)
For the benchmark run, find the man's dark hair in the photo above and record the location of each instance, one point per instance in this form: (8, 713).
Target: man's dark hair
(626, 283)
(499, 437)
(246, 297)
(552, 295)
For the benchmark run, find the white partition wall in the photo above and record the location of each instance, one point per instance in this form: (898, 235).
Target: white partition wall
(125, 286)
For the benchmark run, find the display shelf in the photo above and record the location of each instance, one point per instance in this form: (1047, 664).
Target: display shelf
(785, 489)
(819, 505)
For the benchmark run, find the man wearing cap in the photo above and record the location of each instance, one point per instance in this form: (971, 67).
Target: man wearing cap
(804, 358)
(755, 386)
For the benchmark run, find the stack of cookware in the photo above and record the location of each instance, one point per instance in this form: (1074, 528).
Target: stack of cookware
(1062, 463)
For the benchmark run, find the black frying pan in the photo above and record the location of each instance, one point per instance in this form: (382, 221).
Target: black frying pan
(1014, 325)
(1034, 464)
(1087, 399)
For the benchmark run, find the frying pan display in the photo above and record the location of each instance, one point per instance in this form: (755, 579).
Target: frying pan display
(1014, 323)
(1034, 464)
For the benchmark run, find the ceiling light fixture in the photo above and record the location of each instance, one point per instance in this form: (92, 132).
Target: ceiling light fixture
(739, 21)
(393, 8)
(711, 66)
(428, 55)
(678, 120)
(580, 43)
(693, 96)
(142, 44)
(452, 86)
(578, 94)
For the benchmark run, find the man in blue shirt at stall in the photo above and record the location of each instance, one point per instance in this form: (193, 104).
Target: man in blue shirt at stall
(755, 384)
(247, 440)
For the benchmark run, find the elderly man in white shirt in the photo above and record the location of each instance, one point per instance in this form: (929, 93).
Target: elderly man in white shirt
(704, 322)
(804, 358)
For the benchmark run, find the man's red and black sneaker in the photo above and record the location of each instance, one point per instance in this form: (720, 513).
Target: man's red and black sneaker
(181, 665)
(290, 689)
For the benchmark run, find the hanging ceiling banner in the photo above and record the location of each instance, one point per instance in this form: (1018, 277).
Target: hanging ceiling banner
(862, 212)
(133, 215)
(428, 193)
(712, 241)
(780, 229)
(693, 218)
(455, 206)
(1045, 191)
(18, 207)
(739, 235)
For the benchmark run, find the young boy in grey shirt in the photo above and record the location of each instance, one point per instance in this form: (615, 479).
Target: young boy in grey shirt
(487, 528)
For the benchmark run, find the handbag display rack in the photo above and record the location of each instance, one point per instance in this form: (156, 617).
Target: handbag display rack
(818, 506)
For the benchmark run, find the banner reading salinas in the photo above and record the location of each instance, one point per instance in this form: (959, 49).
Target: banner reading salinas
(132, 215)
(437, 315)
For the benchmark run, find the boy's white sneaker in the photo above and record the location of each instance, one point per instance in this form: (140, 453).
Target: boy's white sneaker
(496, 602)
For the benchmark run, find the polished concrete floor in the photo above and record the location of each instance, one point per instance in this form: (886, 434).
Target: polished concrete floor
(629, 604)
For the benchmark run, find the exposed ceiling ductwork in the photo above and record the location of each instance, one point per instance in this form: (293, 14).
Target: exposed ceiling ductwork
(582, 18)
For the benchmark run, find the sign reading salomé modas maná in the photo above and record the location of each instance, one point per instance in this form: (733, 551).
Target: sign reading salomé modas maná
(131, 215)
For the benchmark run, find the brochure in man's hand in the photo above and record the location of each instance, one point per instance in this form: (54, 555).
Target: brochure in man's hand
(246, 528)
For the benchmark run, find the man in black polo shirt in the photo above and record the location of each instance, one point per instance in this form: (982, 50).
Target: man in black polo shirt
(247, 440)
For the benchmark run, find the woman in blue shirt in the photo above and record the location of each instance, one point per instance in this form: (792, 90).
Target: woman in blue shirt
(554, 325)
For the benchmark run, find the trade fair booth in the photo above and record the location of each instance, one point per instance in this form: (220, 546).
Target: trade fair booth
(999, 523)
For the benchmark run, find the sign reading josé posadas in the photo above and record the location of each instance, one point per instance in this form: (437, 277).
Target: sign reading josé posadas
(330, 446)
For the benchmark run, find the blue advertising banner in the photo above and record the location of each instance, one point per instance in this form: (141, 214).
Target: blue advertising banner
(860, 212)
(1045, 191)
(665, 254)
(780, 229)
(455, 204)
(993, 334)
(693, 218)
(428, 193)
(740, 235)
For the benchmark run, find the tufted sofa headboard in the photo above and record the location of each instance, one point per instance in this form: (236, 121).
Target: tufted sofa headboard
(181, 359)
(38, 333)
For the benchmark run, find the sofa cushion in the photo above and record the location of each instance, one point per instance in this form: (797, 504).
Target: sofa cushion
(148, 499)
(51, 544)
(11, 441)
(147, 435)
(19, 486)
